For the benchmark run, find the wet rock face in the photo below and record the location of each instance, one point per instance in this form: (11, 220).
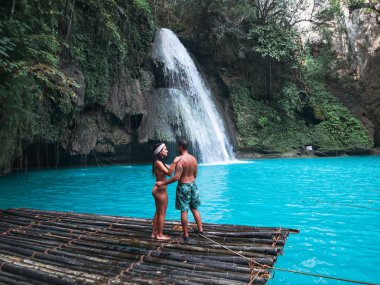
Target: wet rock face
(364, 41)
(371, 92)
(163, 121)
(107, 129)
(76, 74)
(126, 96)
(95, 131)
(358, 49)
(356, 45)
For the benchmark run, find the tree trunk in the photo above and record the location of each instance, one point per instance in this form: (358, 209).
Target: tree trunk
(13, 9)
(57, 155)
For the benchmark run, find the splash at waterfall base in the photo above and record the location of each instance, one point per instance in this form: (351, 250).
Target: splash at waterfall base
(46, 247)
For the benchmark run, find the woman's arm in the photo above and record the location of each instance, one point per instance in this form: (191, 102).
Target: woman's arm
(173, 165)
(176, 177)
(164, 169)
(160, 166)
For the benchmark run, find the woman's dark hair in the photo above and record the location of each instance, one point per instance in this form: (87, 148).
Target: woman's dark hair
(156, 156)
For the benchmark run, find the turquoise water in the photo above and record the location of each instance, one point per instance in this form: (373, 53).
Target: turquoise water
(335, 202)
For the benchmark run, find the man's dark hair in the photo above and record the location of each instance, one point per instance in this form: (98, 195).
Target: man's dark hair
(183, 143)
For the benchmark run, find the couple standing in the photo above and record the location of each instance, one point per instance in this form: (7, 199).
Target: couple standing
(187, 197)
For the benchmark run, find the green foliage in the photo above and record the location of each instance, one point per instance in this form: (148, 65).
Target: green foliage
(143, 5)
(263, 122)
(242, 103)
(278, 89)
(340, 130)
(252, 26)
(300, 116)
(329, 13)
(337, 128)
(162, 136)
(105, 42)
(262, 127)
(30, 80)
(368, 5)
(6, 46)
(273, 41)
(289, 101)
(37, 100)
(355, 3)
(317, 63)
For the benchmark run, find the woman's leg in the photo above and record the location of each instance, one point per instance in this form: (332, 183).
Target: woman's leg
(164, 208)
(154, 226)
(161, 198)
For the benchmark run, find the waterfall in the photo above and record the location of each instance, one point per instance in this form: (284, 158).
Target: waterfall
(186, 103)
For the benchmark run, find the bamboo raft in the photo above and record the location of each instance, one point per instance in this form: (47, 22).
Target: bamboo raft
(46, 247)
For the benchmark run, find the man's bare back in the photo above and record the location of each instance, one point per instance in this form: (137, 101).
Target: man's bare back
(189, 166)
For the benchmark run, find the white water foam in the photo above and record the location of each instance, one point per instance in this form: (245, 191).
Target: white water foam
(190, 101)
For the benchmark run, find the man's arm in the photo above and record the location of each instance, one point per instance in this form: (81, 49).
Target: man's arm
(196, 170)
(176, 177)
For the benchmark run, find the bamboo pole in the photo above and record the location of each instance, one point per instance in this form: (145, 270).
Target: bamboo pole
(95, 249)
(224, 227)
(37, 274)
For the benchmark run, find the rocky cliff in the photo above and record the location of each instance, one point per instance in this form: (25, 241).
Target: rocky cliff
(355, 32)
(363, 38)
(83, 75)
(83, 71)
(282, 92)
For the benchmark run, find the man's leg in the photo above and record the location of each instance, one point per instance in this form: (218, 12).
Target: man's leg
(184, 224)
(197, 218)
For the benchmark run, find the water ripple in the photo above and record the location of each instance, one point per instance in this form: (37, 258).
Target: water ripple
(333, 202)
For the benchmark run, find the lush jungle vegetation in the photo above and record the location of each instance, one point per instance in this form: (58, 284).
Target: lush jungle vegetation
(38, 39)
(278, 85)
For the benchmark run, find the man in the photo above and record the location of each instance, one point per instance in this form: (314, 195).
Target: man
(187, 195)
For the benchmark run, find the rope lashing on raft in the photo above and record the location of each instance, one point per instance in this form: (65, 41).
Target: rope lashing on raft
(70, 242)
(252, 278)
(133, 265)
(277, 238)
(178, 228)
(284, 269)
(33, 224)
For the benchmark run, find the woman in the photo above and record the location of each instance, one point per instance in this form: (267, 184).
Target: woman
(160, 195)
